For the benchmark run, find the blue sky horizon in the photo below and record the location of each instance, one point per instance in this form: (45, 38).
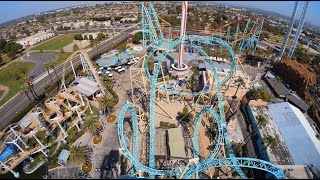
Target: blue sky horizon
(11, 10)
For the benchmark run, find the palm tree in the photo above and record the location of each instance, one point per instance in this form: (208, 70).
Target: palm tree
(240, 82)
(47, 66)
(185, 115)
(92, 124)
(26, 92)
(23, 73)
(52, 66)
(80, 154)
(105, 103)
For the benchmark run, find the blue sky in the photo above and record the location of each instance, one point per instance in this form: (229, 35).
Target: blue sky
(14, 9)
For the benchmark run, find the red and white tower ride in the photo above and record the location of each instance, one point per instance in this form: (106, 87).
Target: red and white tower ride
(182, 32)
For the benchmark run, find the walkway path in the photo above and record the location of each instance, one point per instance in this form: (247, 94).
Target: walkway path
(5, 90)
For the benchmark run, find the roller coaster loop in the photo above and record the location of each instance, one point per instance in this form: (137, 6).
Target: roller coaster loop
(211, 161)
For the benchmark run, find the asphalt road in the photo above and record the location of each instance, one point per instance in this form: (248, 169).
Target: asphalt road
(9, 110)
(39, 60)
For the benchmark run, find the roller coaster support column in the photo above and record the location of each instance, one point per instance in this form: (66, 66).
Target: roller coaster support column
(298, 32)
(288, 30)
(14, 141)
(15, 174)
(74, 72)
(182, 31)
(82, 102)
(42, 146)
(17, 135)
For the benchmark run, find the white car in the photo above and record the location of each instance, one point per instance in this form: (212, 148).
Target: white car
(109, 68)
(121, 70)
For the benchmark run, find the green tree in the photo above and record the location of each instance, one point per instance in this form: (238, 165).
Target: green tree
(80, 154)
(85, 37)
(239, 82)
(47, 66)
(106, 103)
(25, 89)
(136, 38)
(12, 38)
(11, 54)
(87, 25)
(1, 60)
(61, 50)
(77, 37)
(92, 124)
(185, 115)
(41, 51)
(3, 43)
(259, 93)
(90, 37)
(52, 65)
(262, 121)
(100, 36)
(270, 141)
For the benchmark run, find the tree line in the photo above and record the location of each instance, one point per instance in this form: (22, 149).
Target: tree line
(10, 48)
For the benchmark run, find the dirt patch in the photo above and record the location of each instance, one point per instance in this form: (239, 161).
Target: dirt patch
(4, 91)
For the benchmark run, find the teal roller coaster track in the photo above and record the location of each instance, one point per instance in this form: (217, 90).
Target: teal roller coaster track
(222, 136)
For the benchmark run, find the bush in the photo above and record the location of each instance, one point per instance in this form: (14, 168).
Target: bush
(259, 93)
(74, 135)
(166, 125)
(137, 37)
(77, 37)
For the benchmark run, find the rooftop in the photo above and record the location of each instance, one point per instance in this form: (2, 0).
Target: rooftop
(85, 86)
(176, 143)
(280, 154)
(295, 171)
(64, 155)
(296, 131)
(282, 91)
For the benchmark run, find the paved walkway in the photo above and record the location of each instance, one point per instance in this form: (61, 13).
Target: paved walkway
(5, 90)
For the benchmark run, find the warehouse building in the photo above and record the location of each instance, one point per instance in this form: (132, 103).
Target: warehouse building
(295, 141)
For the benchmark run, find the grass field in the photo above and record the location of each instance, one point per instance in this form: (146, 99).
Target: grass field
(8, 78)
(55, 43)
(62, 57)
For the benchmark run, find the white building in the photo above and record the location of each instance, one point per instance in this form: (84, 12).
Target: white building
(129, 19)
(94, 35)
(106, 23)
(67, 24)
(78, 25)
(297, 142)
(36, 38)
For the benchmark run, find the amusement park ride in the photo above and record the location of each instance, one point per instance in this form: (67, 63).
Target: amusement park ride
(222, 154)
